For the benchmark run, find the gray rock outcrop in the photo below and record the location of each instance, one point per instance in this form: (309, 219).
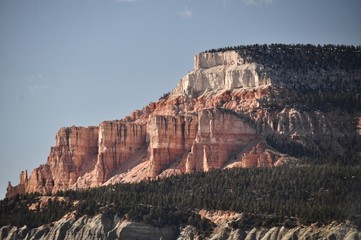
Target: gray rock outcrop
(104, 226)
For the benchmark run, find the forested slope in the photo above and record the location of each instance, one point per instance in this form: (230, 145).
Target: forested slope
(269, 196)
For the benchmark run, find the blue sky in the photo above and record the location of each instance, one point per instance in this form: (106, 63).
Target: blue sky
(79, 62)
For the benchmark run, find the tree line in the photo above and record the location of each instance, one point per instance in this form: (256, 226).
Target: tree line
(299, 56)
(285, 195)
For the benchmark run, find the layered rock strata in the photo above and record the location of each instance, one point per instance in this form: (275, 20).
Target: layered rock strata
(88, 157)
(105, 226)
(229, 111)
(216, 71)
(221, 136)
(170, 138)
(118, 141)
(73, 155)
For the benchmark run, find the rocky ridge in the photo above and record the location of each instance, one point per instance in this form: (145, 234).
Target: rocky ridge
(245, 107)
(105, 226)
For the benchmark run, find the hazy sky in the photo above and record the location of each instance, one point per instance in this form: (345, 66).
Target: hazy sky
(79, 62)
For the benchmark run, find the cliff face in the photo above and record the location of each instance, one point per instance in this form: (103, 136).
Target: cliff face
(73, 155)
(237, 108)
(118, 141)
(211, 139)
(216, 71)
(170, 138)
(221, 137)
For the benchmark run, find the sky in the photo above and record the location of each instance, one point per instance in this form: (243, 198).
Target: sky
(80, 62)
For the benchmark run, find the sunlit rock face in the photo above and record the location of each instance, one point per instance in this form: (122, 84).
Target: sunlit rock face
(74, 154)
(234, 109)
(221, 136)
(170, 138)
(217, 71)
(118, 141)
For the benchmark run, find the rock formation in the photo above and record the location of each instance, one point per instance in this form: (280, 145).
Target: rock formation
(106, 226)
(118, 141)
(244, 107)
(222, 135)
(73, 155)
(170, 139)
(217, 71)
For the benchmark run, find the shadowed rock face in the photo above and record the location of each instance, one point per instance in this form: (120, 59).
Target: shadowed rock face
(110, 227)
(227, 112)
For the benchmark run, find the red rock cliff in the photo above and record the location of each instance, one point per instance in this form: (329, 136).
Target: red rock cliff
(170, 138)
(227, 112)
(118, 141)
(73, 155)
(221, 136)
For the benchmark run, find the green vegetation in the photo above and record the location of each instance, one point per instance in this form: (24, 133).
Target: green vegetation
(268, 196)
(328, 101)
(16, 211)
(323, 77)
(164, 96)
(300, 57)
(323, 189)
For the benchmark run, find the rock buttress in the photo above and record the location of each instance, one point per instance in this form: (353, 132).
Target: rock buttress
(118, 141)
(73, 155)
(221, 136)
(170, 137)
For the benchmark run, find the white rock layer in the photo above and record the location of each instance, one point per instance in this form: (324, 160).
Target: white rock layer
(215, 71)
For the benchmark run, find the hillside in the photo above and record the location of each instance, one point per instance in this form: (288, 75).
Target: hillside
(247, 106)
(314, 201)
